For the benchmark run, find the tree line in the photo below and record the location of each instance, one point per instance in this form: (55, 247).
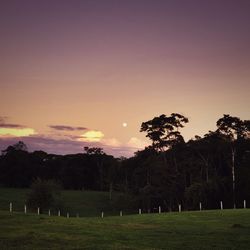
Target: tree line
(208, 169)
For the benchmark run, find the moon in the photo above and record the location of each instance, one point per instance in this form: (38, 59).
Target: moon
(124, 124)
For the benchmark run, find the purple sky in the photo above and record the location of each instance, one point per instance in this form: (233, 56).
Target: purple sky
(97, 64)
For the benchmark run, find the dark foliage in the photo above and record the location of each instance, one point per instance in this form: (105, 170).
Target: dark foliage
(44, 195)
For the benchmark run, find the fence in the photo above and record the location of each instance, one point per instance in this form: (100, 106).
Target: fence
(121, 213)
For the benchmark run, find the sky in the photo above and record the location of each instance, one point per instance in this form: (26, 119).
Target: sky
(81, 73)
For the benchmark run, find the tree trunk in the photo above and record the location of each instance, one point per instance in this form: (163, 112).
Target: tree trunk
(233, 175)
(110, 190)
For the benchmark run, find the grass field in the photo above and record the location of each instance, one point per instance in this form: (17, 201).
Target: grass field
(85, 203)
(227, 229)
(215, 229)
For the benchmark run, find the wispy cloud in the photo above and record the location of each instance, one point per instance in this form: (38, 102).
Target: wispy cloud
(10, 125)
(3, 123)
(67, 128)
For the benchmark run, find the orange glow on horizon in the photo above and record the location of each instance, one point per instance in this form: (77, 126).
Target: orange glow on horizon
(92, 136)
(5, 132)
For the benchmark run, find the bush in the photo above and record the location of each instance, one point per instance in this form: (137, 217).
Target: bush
(44, 194)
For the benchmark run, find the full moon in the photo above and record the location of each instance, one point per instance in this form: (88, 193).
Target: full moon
(124, 124)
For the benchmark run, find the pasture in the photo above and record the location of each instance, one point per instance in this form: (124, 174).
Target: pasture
(214, 229)
(227, 229)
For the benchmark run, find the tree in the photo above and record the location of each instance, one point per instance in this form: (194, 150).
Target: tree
(234, 130)
(103, 163)
(19, 146)
(93, 151)
(164, 176)
(44, 194)
(163, 130)
(15, 167)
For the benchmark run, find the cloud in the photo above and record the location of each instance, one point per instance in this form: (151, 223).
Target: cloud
(9, 125)
(113, 142)
(3, 124)
(92, 136)
(66, 143)
(136, 143)
(68, 146)
(66, 128)
(13, 130)
(16, 132)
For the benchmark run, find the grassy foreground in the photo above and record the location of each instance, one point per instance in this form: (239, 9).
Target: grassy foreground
(227, 229)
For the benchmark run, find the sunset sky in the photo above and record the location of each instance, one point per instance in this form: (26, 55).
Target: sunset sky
(72, 72)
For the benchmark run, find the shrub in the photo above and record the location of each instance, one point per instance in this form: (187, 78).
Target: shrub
(44, 194)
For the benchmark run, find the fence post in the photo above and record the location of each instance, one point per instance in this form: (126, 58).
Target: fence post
(245, 204)
(120, 213)
(102, 214)
(200, 206)
(59, 213)
(179, 208)
(67, 215)
(159, 209)
(139, 211)
(25, 209)
(38, 210)
(49, 212)
(221, 205)
(11, 207)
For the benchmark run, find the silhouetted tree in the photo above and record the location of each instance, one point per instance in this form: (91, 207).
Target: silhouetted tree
(163, 131)
(18, 146)
(234, 130)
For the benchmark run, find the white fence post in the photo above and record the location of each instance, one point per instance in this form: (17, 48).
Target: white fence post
(11, 207)
(179, 208)
(221, 205)
(102, 214)
(245, 204)
(25, 209)
(67, 215)
(59, 213)
(38, 210)
(159, 209)
(120, 213)
(139, 211)
(49, 212)
(200, 206)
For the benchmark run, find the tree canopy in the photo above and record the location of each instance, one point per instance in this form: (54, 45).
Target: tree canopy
(163, 130)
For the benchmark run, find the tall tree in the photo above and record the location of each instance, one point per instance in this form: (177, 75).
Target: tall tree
(164, 133)
(234, 130)
(163, 130)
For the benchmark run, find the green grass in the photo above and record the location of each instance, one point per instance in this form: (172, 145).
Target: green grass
(227, 229)
(85, 203)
